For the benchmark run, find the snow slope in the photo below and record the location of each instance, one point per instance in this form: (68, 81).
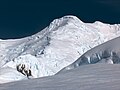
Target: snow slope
(108, 52)
(53, 48)
(87, 77)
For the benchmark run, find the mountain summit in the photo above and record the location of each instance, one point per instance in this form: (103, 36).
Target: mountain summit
(53, 48)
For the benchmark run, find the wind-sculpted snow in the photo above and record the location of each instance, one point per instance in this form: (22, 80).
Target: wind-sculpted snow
(87, 77)
(108, 52)
(53, 48)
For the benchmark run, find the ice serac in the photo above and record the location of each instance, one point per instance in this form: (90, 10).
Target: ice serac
(108, 52)
(53, 48)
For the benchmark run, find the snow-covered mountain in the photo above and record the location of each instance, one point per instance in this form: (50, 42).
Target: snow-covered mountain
(50, 50)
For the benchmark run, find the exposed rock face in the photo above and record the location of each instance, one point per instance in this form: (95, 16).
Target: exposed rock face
(24, 70)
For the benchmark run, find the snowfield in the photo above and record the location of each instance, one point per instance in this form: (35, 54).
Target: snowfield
(87, 77)
(52, 49)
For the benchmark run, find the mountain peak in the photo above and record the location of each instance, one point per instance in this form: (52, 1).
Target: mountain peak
(72, 17)
(68, 19)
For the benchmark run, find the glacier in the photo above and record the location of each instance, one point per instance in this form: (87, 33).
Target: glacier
(108, 52)
(53, 48)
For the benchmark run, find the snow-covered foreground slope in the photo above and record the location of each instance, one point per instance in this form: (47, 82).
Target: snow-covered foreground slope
(87, 77)
(52, 49)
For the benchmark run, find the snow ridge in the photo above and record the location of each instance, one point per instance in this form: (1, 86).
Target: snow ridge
(108, 52)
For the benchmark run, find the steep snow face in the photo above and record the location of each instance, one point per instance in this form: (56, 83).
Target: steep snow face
(55, 47)
(30, 62)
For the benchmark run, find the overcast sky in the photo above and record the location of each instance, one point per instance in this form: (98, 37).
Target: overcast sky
(20, 18)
